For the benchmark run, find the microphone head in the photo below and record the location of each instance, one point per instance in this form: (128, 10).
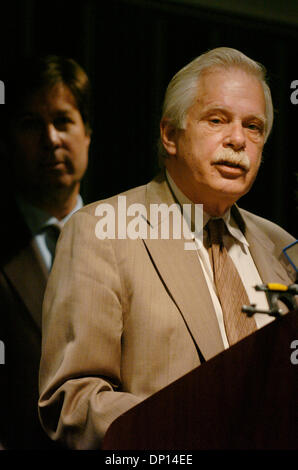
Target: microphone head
(291, 253)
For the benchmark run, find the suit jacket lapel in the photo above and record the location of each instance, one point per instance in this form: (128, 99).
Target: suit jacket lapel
(28, 275)
(182, 274)
(269, 268)
(262, 251)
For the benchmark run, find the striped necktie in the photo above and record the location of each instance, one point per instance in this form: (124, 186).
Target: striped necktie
(230, 290)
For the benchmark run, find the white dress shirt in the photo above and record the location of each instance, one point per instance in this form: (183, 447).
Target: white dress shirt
(37, 221)
(238, 248)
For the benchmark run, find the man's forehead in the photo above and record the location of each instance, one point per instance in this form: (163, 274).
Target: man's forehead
(57, 97)
(228, 89)
(224, 75)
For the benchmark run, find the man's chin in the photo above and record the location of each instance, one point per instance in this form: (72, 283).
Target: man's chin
(233, 189)
(57, 179)
(50, 186)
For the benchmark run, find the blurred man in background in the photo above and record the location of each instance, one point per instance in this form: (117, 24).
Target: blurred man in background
(46, 133)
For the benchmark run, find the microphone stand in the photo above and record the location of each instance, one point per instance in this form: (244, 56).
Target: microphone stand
(274, 292)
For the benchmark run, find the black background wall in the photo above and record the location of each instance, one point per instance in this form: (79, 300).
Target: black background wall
(131, 49)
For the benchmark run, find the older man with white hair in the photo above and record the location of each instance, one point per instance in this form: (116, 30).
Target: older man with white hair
(125, 316)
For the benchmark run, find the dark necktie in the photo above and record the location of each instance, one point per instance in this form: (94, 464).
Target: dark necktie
(230, 290)
(52, 233)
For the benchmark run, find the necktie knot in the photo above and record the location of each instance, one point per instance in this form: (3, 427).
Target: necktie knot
(52, 233)
(216, 229)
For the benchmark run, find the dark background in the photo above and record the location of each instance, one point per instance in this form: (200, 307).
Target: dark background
(131, 49)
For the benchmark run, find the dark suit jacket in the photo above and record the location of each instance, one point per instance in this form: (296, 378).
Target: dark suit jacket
(22, 284)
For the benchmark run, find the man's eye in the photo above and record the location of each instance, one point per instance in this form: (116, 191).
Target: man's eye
(255, 127)
(30, 123)
(215, 120)
(62, 122)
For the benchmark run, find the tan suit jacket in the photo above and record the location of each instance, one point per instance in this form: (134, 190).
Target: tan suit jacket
(23, 280)
(124, 318)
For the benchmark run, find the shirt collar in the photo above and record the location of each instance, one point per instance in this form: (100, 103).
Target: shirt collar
(37, 218)
(231, 225)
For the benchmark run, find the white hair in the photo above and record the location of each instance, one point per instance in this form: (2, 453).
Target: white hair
(183, 88)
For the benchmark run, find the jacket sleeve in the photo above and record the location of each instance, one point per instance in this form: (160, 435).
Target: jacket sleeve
(80, 366)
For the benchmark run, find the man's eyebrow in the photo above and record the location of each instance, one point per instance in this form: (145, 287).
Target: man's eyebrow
(24, 111)
(63, 111)
(216, 109)
(25, 114)
(259, 117)
(32, 113)
(221, 109)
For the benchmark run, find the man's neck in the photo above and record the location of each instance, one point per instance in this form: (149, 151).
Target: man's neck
(213, 207)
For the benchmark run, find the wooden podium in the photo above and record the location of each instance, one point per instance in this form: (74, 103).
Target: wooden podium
(244, 398)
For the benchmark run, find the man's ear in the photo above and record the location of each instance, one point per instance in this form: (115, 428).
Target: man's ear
(168, 135)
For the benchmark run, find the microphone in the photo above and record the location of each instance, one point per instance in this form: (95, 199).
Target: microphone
(275, 291)
(291, 253)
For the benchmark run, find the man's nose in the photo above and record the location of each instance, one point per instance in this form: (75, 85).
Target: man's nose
(235, 137)
(51, 136)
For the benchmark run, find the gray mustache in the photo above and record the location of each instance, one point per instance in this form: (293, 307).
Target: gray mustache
(235, 158)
